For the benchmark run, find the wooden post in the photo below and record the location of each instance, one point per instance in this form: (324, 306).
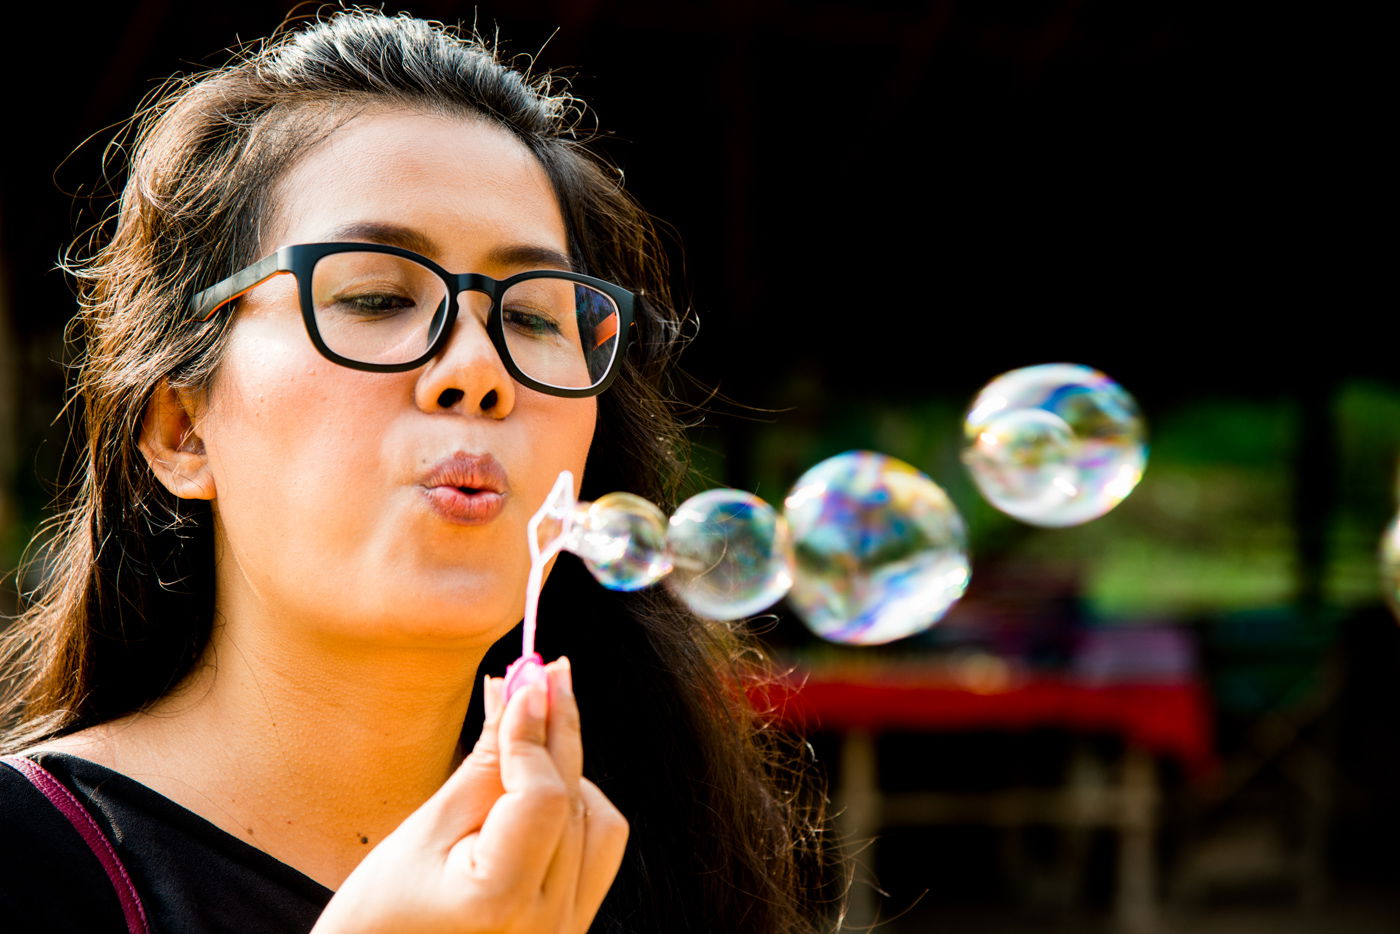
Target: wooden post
(858, 822)
(1137, 824)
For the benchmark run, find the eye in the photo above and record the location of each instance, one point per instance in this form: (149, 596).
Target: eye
(381, 304)
(530, 322)
(375, 303)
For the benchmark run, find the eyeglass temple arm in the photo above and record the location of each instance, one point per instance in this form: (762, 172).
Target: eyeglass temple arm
(204, 304)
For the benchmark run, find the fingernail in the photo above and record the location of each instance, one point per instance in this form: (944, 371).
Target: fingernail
(491, 696)
(566, 680)
(537, 700)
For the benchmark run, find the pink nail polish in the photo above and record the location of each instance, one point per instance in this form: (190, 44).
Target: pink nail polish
(524, 671)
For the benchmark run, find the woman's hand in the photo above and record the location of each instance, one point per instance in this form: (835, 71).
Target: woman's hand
(517, 841)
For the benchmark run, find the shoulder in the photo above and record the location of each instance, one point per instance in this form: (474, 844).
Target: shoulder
(49, 879)
(30, 825)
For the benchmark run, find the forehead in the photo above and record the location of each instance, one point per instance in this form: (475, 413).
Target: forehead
(464, 184)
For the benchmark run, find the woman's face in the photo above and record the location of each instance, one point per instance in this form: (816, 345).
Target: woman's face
(339, 497)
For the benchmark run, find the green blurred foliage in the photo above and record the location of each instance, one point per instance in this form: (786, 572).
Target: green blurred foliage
(1210, 530)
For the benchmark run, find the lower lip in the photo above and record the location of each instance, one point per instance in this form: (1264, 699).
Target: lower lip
(465, 508)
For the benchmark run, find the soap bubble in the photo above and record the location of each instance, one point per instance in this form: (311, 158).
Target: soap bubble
(1390, 566)
(1021, 457)
(1054, 445)
(622, 540)
(880, 550)
(731, 554)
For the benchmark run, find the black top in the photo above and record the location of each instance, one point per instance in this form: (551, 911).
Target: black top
(193, 878)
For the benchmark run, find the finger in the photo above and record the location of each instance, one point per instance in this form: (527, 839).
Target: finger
(492, 695)
(564, 732)
(566, 748)
(604, 843)
(462, 803)
(562, 877)
(521, 833)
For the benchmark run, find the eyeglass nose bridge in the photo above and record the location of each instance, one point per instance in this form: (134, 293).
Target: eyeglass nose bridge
(445, 318)
(458, 283)
(448, 312)
(474, 282)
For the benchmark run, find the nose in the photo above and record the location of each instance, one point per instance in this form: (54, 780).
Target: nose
(467, 375)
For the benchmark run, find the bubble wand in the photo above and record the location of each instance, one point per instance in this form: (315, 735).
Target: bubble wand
(558, 507)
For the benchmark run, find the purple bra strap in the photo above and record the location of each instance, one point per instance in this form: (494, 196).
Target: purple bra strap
(71, 808)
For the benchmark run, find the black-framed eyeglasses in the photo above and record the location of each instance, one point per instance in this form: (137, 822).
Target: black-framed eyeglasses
(385, 309)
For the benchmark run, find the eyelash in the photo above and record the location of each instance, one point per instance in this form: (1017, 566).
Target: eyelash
(551, 326)
(369, 303)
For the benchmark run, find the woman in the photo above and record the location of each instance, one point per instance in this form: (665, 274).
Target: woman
(298, 532)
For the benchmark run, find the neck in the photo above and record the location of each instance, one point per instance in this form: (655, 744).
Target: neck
(310, 751)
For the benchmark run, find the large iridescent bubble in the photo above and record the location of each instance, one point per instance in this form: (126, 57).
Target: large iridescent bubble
(1055, 445)
(880, 550)
(622, 539)
(1390, 566)
(730, 553)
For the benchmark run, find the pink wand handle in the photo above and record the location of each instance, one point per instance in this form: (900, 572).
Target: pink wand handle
(558, 506)
(523, 672)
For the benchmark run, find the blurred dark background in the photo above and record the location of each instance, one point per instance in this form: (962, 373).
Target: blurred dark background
(882, 206)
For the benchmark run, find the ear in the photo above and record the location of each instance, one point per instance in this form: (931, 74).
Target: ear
(172, 445)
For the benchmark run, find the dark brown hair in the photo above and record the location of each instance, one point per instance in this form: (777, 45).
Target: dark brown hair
(723, 838)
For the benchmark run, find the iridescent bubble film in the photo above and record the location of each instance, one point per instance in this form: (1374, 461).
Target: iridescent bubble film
(622, 539)
(880, 550)
(1054, 445)
(730, 553)
(1390, 566)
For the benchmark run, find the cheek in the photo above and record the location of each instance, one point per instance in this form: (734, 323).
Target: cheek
(559, 438)
(265, 394)
(570, 434)
(282, 425)
(587, 426)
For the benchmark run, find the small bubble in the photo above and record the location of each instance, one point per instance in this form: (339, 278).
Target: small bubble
(731, 554)
(622, 540)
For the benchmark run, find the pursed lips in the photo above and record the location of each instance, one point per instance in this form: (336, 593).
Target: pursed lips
(469, 489)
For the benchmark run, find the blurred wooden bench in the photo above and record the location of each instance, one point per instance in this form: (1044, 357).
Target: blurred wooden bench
(1160, 717)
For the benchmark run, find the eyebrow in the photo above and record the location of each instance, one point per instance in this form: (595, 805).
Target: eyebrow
(528, 256)
(532, 257)
(388, 234)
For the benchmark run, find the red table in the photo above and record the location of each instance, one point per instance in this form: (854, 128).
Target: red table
(1161, 717)
(1167, 719)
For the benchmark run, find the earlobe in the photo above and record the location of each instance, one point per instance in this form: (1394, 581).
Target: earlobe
(172, 445)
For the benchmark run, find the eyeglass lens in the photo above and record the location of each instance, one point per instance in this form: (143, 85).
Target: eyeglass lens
(385, 309)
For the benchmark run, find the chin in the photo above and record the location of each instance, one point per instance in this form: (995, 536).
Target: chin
(453, 624)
